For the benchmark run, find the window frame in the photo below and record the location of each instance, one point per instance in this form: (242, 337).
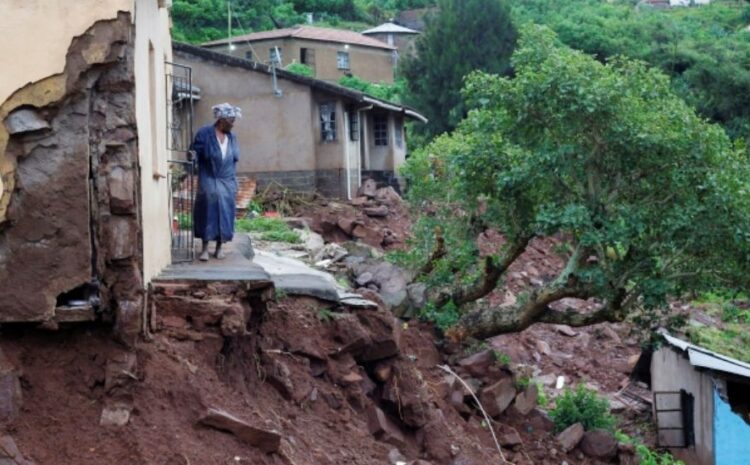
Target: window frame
(271, 55)
(380, 134)
(347, 66)
(328, 130)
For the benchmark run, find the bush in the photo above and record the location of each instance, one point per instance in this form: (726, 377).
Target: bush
(582, 406)
(301, 69)
(271, 229)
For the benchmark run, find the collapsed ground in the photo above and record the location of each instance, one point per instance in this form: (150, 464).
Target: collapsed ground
(314, 382)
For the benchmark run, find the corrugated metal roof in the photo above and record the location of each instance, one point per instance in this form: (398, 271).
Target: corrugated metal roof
(309, 33)
(704, 358)
(390, 28)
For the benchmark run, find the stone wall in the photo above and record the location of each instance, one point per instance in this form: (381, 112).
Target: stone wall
(72, 227)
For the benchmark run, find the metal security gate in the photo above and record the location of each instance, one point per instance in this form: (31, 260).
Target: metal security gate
(674, 418)
(182, 171)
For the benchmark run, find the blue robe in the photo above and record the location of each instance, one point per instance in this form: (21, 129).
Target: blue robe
(213, 213)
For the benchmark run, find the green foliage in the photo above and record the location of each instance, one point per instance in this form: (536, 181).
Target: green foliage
(271, 229)
(647, 456)
(185, 221)
(732, 340)
(465, 35)
(443, 318)
(705, 50)
(541, 399)
(504, 359)
(603, 154)
(582, 406)
(521, 383)
(391, 92)
(301, 69)
(326, 315)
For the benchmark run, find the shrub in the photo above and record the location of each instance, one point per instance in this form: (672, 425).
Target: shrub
(301, 69)
(271, 229)
(582, 406)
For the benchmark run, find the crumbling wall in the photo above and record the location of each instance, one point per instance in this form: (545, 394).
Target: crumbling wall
(72, 219)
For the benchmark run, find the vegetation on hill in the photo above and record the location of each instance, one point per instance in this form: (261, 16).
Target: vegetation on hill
(651, 200)
(198, 21)
(464, 36)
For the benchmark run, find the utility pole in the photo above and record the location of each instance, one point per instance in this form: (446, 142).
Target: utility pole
(229, 24)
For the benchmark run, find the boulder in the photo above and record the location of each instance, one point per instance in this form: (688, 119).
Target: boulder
(417, 293)
(510, 439)
(384, 335)
(266, 440)
(383, 428)
(387, 195)
(368, 235)
(526, 400)
(364, 279)
(359, 201)
(312, 241)
(406, 390)
(116, 414)
(332, 251)
(599, 444)
(391, 282)
(565, 330)
(543, 347)
(477, 364)
(497, 397)
(369, 188)
(539, 420)
(570, 437)
(381, 211)
(347, 224)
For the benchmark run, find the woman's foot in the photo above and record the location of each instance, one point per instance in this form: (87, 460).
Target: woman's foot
(219, 254)
(204, 256)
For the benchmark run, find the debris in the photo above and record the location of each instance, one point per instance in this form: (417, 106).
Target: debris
(497, 397)
(266, 440)
(599, 444)
(570, 437)
(510, 439)
(117, 414)
(526, 400)
(369, 188)
(380, 211)
(565, 330)
(383, 429)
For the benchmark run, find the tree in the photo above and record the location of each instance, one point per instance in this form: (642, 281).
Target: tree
(649, 199)
(465, 35)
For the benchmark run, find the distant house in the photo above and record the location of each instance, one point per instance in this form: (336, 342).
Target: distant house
(306, 134)
(392, 34)
(701, 403)
(331, 53)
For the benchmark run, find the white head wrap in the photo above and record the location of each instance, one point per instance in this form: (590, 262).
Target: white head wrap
(225, 110)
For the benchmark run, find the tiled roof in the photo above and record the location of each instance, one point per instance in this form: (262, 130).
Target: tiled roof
(309, 33)
(390, 28)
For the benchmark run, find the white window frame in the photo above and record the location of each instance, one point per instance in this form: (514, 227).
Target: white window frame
(342, 60)
(328, 122)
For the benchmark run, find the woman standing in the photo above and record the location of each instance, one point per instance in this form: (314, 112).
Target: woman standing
(217, 152)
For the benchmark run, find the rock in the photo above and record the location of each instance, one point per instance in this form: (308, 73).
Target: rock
(359, 249)
(369, 188)
(417, 293)
(233, 320)
(543, 347)
(395, 456)
(383, 429)
(570, 437)
(380, 211)
(351, 378)
(565, 330)
(25, 120)
(312, 241)
(347, 224)
(546, 380)
(121, 190)
(9, 453)
(539, 420)
(387, 195)
(509, 439)
(364, 279)
(389, 237)
(384, 335)
(278, 375)
(266, 440)
(332, 251)
(123, 237)
(10, 390)
(406, 390)
(359, 201)
(526, 400)
(383, 371)
(478, 363)
(628, 459)
(497, 397)
(120, 369)
(117, 414)
(599, 444)
(610, 333)
(390, 280)
(368, 235)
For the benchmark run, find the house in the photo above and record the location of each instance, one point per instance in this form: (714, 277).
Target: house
(701, 403)
(306, 134)
(392, 34)
(331, 53)
(84, 203)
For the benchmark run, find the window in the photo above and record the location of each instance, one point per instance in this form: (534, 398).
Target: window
(249, 55)
(353, 125)
(303, 56)
(380, 129)
(275, 55)
(398, 134)
(328, 122)
(343, 60)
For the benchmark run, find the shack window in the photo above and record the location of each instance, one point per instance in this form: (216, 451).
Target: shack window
(353, 125)
(380, 129)
(328, 122)
(398, 134)
(342, 59)
(249, 55)
(303, 56)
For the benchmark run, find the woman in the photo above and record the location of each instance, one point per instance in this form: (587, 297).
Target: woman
(217, 153)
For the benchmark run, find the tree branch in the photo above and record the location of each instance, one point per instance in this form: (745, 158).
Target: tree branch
(438, 253)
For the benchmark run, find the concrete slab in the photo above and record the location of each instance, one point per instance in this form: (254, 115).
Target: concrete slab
(294, 277)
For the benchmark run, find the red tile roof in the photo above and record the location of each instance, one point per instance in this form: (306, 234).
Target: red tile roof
(309, 33)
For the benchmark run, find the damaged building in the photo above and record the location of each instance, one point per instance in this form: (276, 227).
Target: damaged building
(84, 196)
(701, 402)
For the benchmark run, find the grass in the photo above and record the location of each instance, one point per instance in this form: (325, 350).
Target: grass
(270, 229)
(731, 337)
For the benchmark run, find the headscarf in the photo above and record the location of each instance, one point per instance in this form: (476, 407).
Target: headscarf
(225, 110)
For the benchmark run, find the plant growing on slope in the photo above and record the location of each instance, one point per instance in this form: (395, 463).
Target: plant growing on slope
(582, 406)
(651, 199)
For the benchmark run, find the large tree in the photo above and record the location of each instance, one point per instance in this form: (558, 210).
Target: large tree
(462, 36)
(649, 199)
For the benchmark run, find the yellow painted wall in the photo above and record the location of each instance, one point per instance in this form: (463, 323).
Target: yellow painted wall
(153, 46)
